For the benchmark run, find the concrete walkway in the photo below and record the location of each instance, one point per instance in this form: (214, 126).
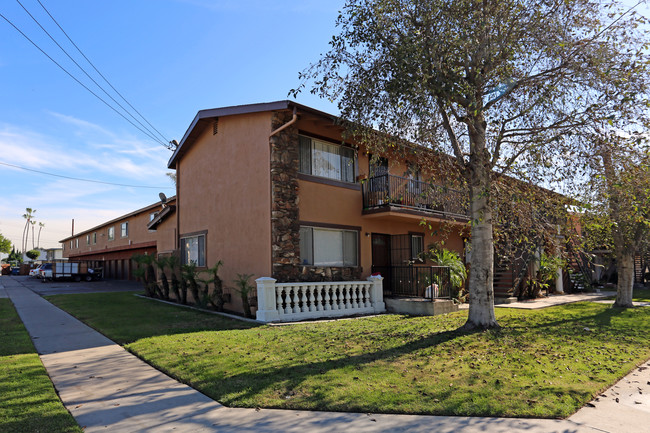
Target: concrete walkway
(107, 389)
(552, 300)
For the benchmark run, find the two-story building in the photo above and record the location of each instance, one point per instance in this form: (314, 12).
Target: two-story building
(272, 190)
(112, 244)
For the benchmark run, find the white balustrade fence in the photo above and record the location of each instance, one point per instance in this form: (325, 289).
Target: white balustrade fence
(286, 302)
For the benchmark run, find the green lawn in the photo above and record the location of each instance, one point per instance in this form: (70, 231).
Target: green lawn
(544, 363)
(28, 402)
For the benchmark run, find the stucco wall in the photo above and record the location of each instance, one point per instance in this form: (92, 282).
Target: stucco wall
(138, 235)
(224, 191)
(337, 205)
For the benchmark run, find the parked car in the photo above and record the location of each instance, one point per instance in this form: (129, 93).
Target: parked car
(34, 272)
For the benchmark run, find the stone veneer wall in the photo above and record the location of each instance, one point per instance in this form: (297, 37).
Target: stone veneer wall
(285, 225)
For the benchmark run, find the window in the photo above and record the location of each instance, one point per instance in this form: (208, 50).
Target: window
(152, 216)
(124, 229)
(417, 246)
(328, 247)
(76, 243)
(111, 233)
(71, 244)
(87, 239)
(193, 250)
(323, 159)
(95, 238)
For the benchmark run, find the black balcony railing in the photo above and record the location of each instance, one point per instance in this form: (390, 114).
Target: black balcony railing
(431, 282)
(394, 191)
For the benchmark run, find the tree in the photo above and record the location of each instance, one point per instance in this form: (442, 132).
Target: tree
(14, 256)
(494, 84)
(28, 215)
(40, 227)
(619, 216)
(33, 223)
(5, 244)
(33, 254)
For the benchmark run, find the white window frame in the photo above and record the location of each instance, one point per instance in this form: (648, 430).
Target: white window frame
(312, 238)
(111, 233)
(124, 229)
(95, 238)
(194, 242)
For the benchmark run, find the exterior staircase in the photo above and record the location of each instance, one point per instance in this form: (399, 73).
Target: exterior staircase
(509, 275)
(641, 265)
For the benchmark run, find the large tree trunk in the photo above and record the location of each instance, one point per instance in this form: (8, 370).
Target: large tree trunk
(623, 246)
(625, 268)
(481, 274)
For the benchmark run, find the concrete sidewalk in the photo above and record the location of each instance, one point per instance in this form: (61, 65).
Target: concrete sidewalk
(552, 300)
(107, 389)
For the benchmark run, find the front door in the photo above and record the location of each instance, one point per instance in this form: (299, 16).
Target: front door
(381, 258)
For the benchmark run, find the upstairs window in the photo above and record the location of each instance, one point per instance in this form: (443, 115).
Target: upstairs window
(95, 238)
(111, 233)
(323, 159)
(124, 229)
(87, 239)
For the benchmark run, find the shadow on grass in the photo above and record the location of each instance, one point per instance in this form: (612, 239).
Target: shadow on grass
(575, 319)
(248, 385)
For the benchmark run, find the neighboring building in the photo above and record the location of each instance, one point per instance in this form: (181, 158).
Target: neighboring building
(113, 244)
(52, 254)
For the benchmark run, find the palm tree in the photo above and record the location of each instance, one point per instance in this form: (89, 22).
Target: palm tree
(33, 238)
(457, 269)
(40, 227)
(28, 217)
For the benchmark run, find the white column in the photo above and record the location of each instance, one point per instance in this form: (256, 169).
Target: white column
(267, 310)
(377, 293)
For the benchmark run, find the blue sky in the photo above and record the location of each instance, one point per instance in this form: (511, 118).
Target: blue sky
(169, 58)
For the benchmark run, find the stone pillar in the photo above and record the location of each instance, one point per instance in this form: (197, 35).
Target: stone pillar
(285, 226)
(267, 310)
(377, 293)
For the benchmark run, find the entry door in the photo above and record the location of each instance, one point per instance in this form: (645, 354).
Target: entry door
(381, 258)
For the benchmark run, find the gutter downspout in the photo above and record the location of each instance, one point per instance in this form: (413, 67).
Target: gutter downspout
(286, 125)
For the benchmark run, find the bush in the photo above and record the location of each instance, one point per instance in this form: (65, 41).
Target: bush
(33, 254)
(244, 287)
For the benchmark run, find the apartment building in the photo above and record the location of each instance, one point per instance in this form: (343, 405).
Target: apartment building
(112, 245)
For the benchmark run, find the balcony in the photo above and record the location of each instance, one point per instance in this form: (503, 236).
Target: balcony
(386, 193)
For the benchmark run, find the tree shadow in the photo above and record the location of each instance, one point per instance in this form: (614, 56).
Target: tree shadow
(250, 384)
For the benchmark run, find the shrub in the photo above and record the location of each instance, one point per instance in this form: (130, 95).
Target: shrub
(244, 287)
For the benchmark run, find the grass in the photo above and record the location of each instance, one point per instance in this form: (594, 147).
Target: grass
(28, 401)
(639, 295)
(543, 363)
